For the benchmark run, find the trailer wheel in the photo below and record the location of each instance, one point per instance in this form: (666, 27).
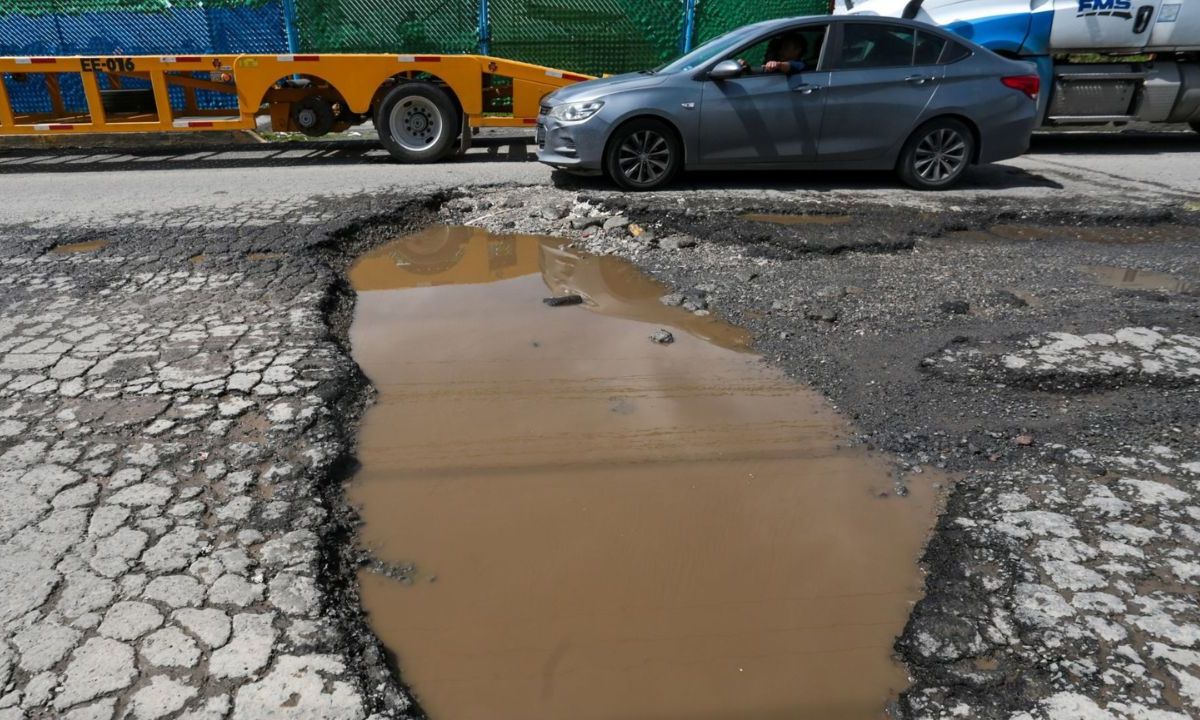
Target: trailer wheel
(417, 122)
(313, 115)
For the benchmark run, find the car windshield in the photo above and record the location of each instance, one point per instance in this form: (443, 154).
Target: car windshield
(710, 50)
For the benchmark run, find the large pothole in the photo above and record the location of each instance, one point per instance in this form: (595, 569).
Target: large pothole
(594, 525)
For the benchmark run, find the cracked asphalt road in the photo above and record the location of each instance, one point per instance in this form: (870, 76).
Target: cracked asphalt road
(176, 410)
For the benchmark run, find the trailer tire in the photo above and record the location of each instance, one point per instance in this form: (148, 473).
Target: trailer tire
(314, 116)
(417, 122)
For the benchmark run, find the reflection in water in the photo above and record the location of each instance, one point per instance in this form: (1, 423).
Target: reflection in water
(79, 247)
(617, 529)
(1134, 279)
(454, 255)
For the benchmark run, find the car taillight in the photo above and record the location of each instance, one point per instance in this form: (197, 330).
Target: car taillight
(1028, 84)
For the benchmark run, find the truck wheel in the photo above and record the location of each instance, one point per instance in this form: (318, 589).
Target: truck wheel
(1195, 125)
(936, 155)
(313, 115)
(417, 122)
(643, 154)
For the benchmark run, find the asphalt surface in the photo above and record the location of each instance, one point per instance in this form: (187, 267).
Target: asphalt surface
(50, 187)
(177, 407)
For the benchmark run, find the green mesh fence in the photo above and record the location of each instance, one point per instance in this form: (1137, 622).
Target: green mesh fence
(430, 26)
(714, 17)
(591, 36)
(67, 7)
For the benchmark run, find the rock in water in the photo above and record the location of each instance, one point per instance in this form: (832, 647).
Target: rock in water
(563, 300)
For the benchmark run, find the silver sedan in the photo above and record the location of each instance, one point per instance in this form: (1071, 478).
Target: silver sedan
(812, 92)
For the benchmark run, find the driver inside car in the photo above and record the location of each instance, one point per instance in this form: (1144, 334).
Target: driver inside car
(784, 55)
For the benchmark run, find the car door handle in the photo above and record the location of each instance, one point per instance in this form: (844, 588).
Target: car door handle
(918, 79)
(806, 89)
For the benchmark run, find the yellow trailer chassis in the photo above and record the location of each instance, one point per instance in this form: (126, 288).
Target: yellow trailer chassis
(423, 106)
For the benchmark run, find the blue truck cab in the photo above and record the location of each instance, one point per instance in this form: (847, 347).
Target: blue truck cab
(1143, 56)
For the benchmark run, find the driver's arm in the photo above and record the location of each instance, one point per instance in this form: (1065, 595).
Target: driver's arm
(785, 66)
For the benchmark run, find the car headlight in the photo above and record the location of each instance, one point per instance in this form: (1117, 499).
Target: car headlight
(576, 112)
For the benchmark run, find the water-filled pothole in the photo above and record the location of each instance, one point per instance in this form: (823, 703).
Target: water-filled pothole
(79, 247)
(1134, 279)
(602, 526)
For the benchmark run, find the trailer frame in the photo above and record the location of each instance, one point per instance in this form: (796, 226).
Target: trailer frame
(310, 93)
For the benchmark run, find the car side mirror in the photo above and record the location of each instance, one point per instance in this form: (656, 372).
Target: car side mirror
(725, 70)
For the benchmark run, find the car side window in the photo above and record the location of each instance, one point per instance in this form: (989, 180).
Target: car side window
(875, 45)
(953, 53)
(800, 46)
(929, 48)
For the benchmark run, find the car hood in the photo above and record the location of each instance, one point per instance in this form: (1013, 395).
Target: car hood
(595, 89)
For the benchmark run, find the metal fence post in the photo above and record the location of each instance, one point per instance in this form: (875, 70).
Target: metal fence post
(689, 25)
(289, 26)
(485, 29)
(58, 34)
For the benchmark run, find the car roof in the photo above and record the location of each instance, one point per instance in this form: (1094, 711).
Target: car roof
(782, 23)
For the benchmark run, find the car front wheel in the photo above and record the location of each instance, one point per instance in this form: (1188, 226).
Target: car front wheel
(643, 154)
(937, 155)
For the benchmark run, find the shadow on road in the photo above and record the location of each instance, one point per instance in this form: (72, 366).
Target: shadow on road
(519, 149)
(1133, 142)
(998, 177)
(288, 154)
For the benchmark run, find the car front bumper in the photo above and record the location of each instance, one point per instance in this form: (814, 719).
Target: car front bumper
(578, 146)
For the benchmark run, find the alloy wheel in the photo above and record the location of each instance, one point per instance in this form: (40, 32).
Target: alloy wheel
(940, 155)
(644, 157)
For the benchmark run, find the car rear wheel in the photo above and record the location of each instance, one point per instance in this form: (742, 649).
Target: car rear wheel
(417, 122)
(643, 155)
(937, 155)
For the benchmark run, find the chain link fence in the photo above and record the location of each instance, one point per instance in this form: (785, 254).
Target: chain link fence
(718, 16)
(590, 36)
(411, 26)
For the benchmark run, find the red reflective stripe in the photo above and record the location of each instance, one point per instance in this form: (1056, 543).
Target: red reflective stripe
(427, 58)
(187, 58)
(530, 121)
(570, 76)
(60, 127)
(305, 58)
(42, 61)
(200, 123)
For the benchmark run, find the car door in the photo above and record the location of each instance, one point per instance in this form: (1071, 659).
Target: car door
(877, 91)
(761, 117)
(1103, 24)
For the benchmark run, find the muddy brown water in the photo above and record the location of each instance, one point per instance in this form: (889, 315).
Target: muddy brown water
(79, 247)
(604, 527)
(1135, 279)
